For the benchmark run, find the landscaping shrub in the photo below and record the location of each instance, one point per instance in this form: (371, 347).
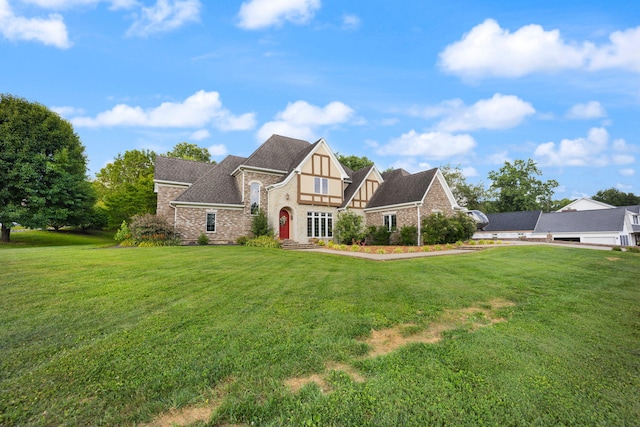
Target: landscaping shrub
(349, 228)
(409, 235)
(146, 230)
(633, 249)
(264, 242)
(440, 229)
(203, 239)
(378, 236)
(242, 240)
(260, 225)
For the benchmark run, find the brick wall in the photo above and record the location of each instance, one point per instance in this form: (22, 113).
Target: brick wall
(230, 224)
(165, 195)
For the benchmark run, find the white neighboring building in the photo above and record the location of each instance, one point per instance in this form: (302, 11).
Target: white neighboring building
(585, 204)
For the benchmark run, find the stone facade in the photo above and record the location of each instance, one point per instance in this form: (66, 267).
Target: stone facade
(230, 224)
(166, 194)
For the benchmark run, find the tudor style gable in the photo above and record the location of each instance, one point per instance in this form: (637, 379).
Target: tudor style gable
(321, 177)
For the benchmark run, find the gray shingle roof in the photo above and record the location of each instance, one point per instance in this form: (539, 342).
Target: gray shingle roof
(399, 188)
(279, 153)
(582, 221)
(216, 186)
(356, 180)
(179, 170)
(513, 221)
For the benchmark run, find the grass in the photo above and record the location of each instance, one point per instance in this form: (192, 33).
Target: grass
(95, 336)
(25, 238)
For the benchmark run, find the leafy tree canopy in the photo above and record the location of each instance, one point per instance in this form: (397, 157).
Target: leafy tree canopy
(187, 151)
(42, 168)
(615, 197)
(471, 196)
(518, 188)
(125, 186)
(354, 162)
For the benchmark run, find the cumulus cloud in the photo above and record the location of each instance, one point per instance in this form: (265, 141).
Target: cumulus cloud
(301, 120)
(592, 150)
(50, 31)
(68, 4)
(489, 50)
(165, 15)
(199, 135)
(627, 172)
(498, 112)
(218, 150)
(200, 109)
(257, 14)
(432, 145)
(590, 110)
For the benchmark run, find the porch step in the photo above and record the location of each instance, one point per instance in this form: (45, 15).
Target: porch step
(288, 244)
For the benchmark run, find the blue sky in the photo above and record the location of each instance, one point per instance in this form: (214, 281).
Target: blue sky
(412, 84)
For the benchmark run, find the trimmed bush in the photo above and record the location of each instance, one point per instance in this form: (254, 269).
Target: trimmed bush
(409, 235)
(440, 229)
(203, 239)
(264, 242)
(349, 228)
(242, 240)
(378, 236)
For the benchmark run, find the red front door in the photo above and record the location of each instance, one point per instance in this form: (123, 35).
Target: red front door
(284, 220)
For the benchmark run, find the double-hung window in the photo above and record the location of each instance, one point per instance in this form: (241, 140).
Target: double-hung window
(321, 185)
(211, 222)
(254, 198)
(319, 224)
(390, 222)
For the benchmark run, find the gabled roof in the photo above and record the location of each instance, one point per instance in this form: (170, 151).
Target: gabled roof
(217, 186)
(174, 170)
(585, 204)
(357, 178)
(582, 221)
(400, 188)
(513, 221)
(279, 153)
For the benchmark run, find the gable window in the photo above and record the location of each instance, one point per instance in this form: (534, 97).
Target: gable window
(319, 224)
(211, 222)
(390, 222)
(321, 185)
(254, 198)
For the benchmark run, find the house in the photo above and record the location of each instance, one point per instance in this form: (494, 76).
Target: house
(299, 185)
(584, 220)
(509, 225)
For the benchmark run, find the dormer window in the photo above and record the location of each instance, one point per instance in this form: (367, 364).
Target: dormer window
(321, 185)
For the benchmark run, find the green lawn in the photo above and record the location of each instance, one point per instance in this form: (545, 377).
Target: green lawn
(105, 336)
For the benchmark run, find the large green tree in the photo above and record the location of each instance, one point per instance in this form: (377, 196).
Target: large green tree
(615, 197)
(470, 196)
(187, 151)
(518, 188)
(354, 162)
(42, 168)
(125, 186)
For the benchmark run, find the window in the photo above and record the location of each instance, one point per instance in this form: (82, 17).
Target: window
(319, 224)
(211, 222)
(254, 198)
(321, 185)
(390, 222)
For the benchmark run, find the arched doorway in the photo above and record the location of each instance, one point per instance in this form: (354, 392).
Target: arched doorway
(285, 220)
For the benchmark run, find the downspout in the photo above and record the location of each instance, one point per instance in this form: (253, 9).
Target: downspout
(175, 216)
(419, 225)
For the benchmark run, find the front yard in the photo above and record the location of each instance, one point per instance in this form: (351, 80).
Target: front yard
(251, 336)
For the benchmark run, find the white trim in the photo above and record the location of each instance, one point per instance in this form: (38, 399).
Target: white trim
(172, 183)
(398, 206)
(268, 171)
(200, 205)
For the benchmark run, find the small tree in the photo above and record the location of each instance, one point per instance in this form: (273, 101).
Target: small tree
(260, 225)
(349, 228)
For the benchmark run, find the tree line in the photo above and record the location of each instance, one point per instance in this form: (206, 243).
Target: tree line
(44, 182)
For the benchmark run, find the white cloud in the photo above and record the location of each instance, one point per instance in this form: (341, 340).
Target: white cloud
(301, 120)
(67, 111)
(257, 14)
(68, 4)
(432, 145)
(624, 186)
(198, 110)
(590, 110)
(50, 31)
(498, 112)
(199, 135)
(350, 22)
(165, 15)
(218, 150)
(489, 50)
(622, 53)
(592, 150)
(627, 172)
(469, 171)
